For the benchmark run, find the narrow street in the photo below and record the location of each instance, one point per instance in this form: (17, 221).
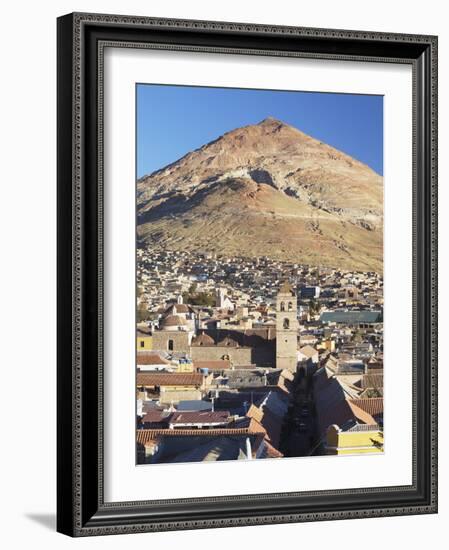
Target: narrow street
(299, 431)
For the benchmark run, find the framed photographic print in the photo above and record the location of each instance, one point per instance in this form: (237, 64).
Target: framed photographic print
(246, 274)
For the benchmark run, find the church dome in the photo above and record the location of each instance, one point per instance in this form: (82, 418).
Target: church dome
(228, 341)
(203, 340)
(172, 322)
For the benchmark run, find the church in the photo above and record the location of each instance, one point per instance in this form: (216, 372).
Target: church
(287, 327)
(274, 346)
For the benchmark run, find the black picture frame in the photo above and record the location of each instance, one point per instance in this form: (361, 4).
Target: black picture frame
(81, 510)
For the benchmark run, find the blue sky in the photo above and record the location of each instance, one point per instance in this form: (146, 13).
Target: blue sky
(173, 120)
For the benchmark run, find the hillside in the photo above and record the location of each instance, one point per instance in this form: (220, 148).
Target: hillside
(267, 189)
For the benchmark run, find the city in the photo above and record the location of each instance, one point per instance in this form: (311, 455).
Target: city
(251, 358)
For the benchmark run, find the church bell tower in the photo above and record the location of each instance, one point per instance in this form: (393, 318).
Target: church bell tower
(286, 328)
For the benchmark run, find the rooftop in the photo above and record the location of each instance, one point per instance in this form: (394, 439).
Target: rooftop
(220, 364)
(153, 359)
(199, 417)
(144, 436)
(371, 405)
(173, 321)
(169, 379)
(351, 317)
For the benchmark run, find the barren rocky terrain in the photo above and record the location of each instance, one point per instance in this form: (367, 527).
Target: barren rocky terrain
(267, 189)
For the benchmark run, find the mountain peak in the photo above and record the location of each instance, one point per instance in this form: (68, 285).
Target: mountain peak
(267, 189)
(271, 121)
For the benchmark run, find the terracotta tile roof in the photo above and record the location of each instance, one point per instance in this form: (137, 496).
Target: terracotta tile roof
(269, 451)
(341, 413)
(156, 416)
(151, 406)
(255, 412)
(256, 427)
(146, 359)
(143, 436)
(251, 424)
(169, 379)
(271, 423)
(373, 406)
(361, 414)
(173, 309)
(212, 365)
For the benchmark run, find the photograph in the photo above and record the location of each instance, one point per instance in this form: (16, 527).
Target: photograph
(247, 232)
(259, 273)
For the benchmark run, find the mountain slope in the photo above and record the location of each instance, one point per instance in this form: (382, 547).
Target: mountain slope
(267, 189)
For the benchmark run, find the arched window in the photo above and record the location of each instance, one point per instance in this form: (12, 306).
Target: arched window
(286, 324)
(170, 345)
(290, 306)
(282, 306)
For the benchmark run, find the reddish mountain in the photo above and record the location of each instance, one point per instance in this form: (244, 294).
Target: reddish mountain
(267, 189)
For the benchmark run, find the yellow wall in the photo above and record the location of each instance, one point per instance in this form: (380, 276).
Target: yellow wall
(172, 394)
(168, 389)
(144, 343)
(327, 344)
(330, 345)
(341, 443)
(185, 367)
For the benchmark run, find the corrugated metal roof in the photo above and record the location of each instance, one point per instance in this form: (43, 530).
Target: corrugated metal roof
(199, 417)
(351, 317)
(217, 448)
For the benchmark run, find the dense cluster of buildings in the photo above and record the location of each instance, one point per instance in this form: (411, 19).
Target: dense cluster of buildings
(238, 357)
